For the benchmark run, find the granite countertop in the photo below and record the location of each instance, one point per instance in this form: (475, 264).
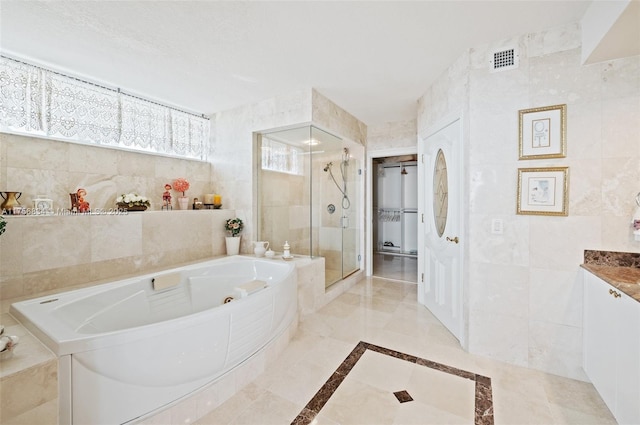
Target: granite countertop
(619, 269)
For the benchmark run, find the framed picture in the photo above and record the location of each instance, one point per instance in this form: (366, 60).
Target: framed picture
(543, 191)
(543, 132)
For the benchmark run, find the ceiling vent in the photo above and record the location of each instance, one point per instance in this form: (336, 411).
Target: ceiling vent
(502, 60)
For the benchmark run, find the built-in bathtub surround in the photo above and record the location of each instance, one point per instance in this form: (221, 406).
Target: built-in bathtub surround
(523, 288)
(41, 254)
(28, 380)
(114, 342)
(482, 411)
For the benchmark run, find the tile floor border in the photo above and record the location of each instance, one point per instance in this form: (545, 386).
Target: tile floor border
(483, 394)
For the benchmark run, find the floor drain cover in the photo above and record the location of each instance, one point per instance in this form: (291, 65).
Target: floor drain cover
(403, 396)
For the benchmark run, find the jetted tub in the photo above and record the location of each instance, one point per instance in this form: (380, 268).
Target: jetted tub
(126, 349)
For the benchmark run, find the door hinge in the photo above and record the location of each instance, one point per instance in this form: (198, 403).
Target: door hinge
(359, 257)
(422, 218)
(422, 277)
(359, 171)
(422, 160)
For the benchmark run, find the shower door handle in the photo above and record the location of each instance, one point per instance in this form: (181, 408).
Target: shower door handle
(344, 222)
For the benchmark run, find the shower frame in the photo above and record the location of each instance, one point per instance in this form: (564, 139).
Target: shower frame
(284, 197)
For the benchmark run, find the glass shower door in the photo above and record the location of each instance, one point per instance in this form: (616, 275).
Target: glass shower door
(350, 223)
(336, 197)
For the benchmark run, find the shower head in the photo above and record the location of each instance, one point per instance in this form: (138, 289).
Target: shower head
(329, 164)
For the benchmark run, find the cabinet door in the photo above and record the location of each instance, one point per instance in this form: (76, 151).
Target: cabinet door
(599, 357)
(628, 360)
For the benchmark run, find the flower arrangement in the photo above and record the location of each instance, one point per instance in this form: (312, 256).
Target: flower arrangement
(131, 200)
(234, 226)
(181, 185)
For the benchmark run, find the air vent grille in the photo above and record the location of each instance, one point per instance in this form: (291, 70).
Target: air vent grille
(501, 60)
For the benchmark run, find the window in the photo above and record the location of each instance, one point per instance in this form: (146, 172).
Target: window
(278, 156)
(40, 102)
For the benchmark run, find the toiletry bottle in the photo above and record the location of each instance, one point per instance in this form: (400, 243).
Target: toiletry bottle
(287, 252)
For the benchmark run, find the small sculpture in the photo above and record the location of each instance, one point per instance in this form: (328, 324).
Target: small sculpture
(166, 197)
(7, 344)
(74, 202)
(83, 205)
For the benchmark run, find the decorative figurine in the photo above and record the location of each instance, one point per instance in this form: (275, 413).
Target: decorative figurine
(166, 197)
(74, 202)
(83, 205)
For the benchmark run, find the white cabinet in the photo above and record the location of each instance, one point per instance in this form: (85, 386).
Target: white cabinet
(611, 358)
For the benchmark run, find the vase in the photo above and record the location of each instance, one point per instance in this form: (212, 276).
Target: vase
(233, 245)
(183, 202)
(10, 201)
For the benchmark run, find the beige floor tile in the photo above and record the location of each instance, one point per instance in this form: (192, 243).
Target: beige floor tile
(300, 382)
(268, 409)
(443, 391)
(575, 395)
(385, 313)
(416, 413)
(230, 409)
(395, 267)
(383, 372)
(565, 415)
(355, 402)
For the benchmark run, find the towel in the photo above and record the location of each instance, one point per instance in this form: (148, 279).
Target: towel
(165, 281)
(249, 288)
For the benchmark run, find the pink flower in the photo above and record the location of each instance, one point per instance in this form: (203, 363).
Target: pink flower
(181, 185)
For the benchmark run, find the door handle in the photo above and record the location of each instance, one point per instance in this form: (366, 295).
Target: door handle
(454, 240)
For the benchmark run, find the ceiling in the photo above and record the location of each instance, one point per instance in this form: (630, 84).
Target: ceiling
(374, 59)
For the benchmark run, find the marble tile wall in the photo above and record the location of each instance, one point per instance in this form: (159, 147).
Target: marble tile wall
(30, 395)
(37, 166)
(233, 144)
(284, 212)
(332, 117)
(232, 154)
(41, 254)
(44, 253)
(524, 295)
(389, 135)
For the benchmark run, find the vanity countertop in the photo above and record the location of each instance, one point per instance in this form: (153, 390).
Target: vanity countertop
(619, 269)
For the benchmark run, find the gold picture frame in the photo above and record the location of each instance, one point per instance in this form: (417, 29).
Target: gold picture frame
(543, 191)
(543, 132)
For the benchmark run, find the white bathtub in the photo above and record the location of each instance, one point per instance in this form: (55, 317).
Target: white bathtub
(126, 350)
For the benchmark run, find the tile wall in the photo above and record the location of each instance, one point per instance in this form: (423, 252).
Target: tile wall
(37, 166)
(233, 141)
(43, 253)
(390, 135)
(523, 289)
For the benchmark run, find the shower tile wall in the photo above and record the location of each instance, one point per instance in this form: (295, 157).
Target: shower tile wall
(285, 211)
(524, 291)
(233, 134)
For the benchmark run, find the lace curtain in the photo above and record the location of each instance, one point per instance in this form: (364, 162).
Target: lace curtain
(40, 102)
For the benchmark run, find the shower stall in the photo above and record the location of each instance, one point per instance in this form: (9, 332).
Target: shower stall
(309, 194)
